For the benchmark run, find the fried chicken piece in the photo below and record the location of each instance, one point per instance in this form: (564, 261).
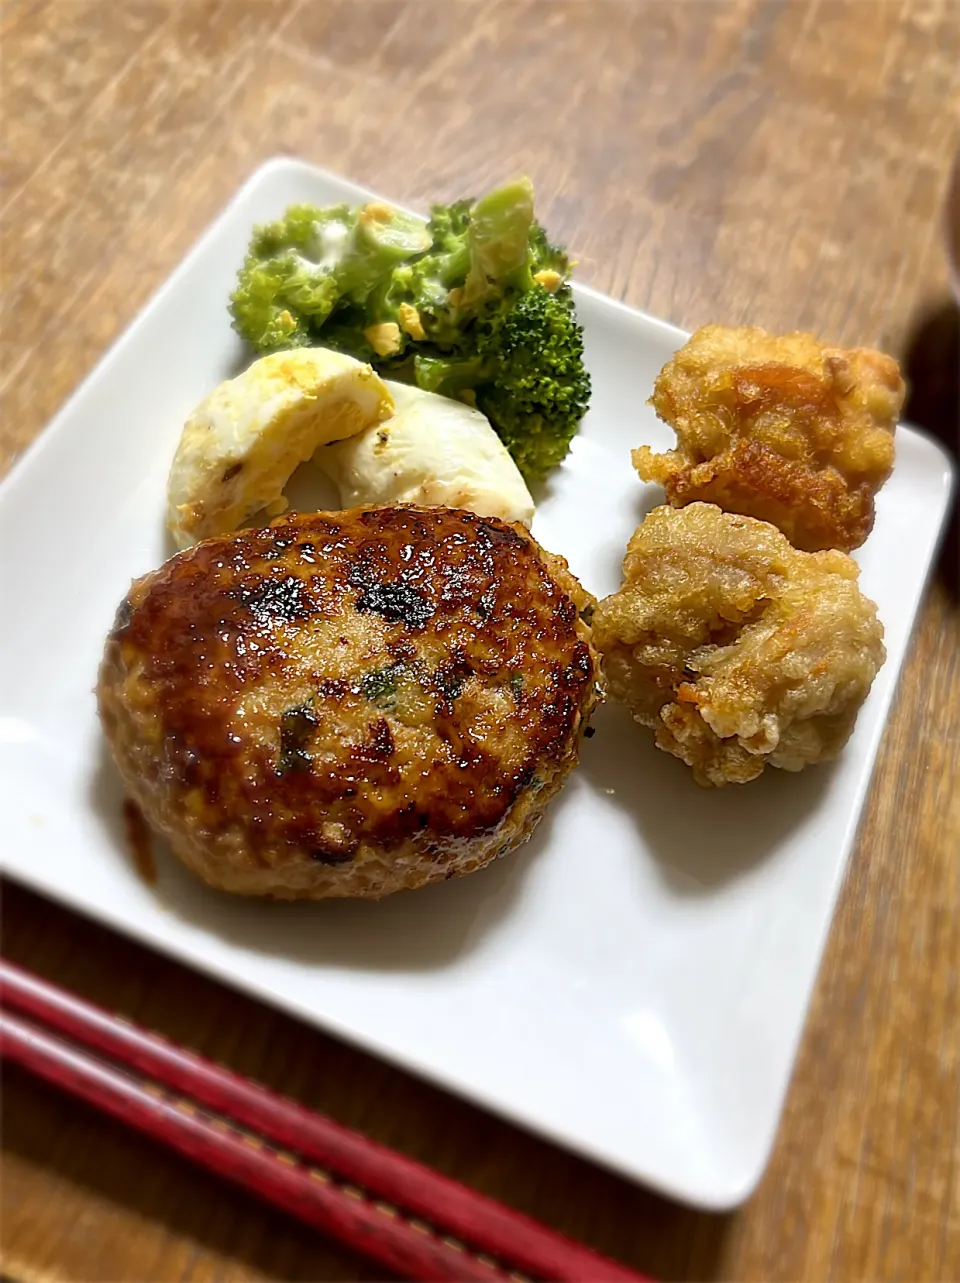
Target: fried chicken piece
(739, 650)
(780, 428)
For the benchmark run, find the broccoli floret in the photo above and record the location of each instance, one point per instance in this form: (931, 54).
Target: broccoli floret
(285, 290)
(381, 239)
(538, 389)
(479, 251)
(546, 257)
(474, 305)
(450, 254)
(448, 224)
(277, 300)
(308, 263)
(526, 373)
(302, 228)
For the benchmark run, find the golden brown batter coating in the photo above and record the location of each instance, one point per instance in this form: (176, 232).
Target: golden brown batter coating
(351, 703)
(736, 648)
(779, 428)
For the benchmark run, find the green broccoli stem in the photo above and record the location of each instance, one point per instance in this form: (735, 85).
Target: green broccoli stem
(499, 241)
(382, 239)
(450, 375)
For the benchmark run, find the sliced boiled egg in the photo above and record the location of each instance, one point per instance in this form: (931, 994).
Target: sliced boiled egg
(433, 451)
(241, 445)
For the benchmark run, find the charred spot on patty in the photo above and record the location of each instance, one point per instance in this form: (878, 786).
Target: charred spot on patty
(275, 598)
(490, 533)
(566, 610)
(449, 679)
(581, 665)
(331, 856)
(335, 688)
(487, 603)
(396, 603)
(377, 745)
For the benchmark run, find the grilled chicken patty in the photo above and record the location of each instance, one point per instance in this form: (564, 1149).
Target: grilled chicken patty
(350, 703)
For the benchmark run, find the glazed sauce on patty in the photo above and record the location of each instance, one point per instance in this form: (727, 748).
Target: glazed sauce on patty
(139, 841)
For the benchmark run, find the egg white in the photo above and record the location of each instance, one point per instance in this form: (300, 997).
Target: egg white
(433, 451)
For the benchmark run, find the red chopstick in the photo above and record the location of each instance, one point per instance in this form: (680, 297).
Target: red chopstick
(310, 1194)
(408, 1217)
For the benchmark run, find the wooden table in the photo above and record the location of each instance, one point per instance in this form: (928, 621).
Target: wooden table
(783, 163)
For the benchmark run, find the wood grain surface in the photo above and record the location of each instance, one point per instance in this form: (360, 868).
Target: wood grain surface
(739, 160)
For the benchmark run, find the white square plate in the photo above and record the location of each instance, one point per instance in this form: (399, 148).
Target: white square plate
(633, 983)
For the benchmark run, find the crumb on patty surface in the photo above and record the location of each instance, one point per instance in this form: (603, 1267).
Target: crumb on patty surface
(349, 703)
